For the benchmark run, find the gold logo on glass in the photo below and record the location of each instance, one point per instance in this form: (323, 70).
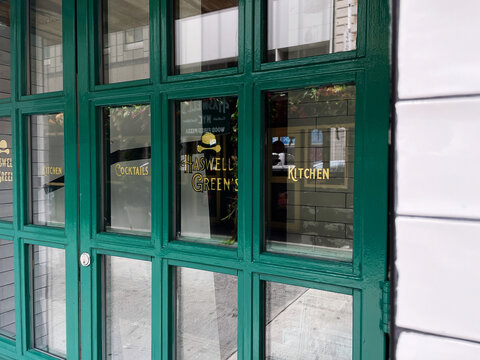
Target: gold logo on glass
(3, 147)
(210, 142)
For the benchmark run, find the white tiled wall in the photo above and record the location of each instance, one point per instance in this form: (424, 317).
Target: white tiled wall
(437, 181)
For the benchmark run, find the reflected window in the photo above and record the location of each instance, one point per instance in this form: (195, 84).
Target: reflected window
(127, 308)
(7, 290)
(46, 51)
(206, 35)
(49, 317)
(127, 169)
(126, 40)
(5, 49)
(302, 28)
(307, 324)
(47, 166)
(206, 323)
(6, 170)
(207, 170)
(309, 171)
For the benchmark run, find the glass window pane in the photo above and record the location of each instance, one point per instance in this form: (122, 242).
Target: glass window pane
(307, 324)
(6, 169)
(206, 315)
(46, 52)
(47, 170)
(7, 290)
(49, 296)
(207, 170)
(309, 171)
(206, 35)
(127, 312)
(126, 40)
(302, 28)
(127, 174)
(5, 49)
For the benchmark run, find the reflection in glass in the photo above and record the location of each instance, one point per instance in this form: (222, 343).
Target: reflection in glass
(207, 170)
(4, 49)
(307, 324)
(6, 170)
(309, 171)
(302, 28)
(127, 174)
(126, 40)
(49, 296)
(47, 170)
(206, 315)
(45, 38)
(7, 290)
(206, 35)
(127, 308)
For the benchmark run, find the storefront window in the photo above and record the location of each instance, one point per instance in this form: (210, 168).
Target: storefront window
(207, 170)
(127, 169)
(206, 35)
(206, 323)
(5, 49)
(47, 170)
(6, 170)
(309, 171)
(46, 50)
(49, 314)
(7, 290)
(127, 308)
(307, 324)
(126, 40)
(302, 28)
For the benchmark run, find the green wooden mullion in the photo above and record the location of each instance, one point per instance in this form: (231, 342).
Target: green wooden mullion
(246, 161)
(167, 306)
(26, 296)
(126, 99)
(244, 19)
(157, 173)
(258, 34)
(6, 107)
(318, 285)
(21, 47)
(72, 299)
(357, 325)
(157, 299)
(203, 267)
(7, 348)
(201, 249)
(43, 96)
(258, 173)
(203, 75)
(16, 59)
(23, 171)
(166, 159)
(126, 86)
(256, 317)
(155, 41)
(243, 281)
(94, 43)
(166, 41)
(45, 234)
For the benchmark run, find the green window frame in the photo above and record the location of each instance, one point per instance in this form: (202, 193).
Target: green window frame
(80, 100)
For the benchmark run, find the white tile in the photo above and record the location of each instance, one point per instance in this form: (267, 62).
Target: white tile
(413, 346)
(438, 287)
(438, 50)
(437, 152)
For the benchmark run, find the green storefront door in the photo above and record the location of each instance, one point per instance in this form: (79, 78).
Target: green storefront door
(194, 179)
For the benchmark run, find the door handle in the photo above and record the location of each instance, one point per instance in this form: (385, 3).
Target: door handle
(85, 259)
